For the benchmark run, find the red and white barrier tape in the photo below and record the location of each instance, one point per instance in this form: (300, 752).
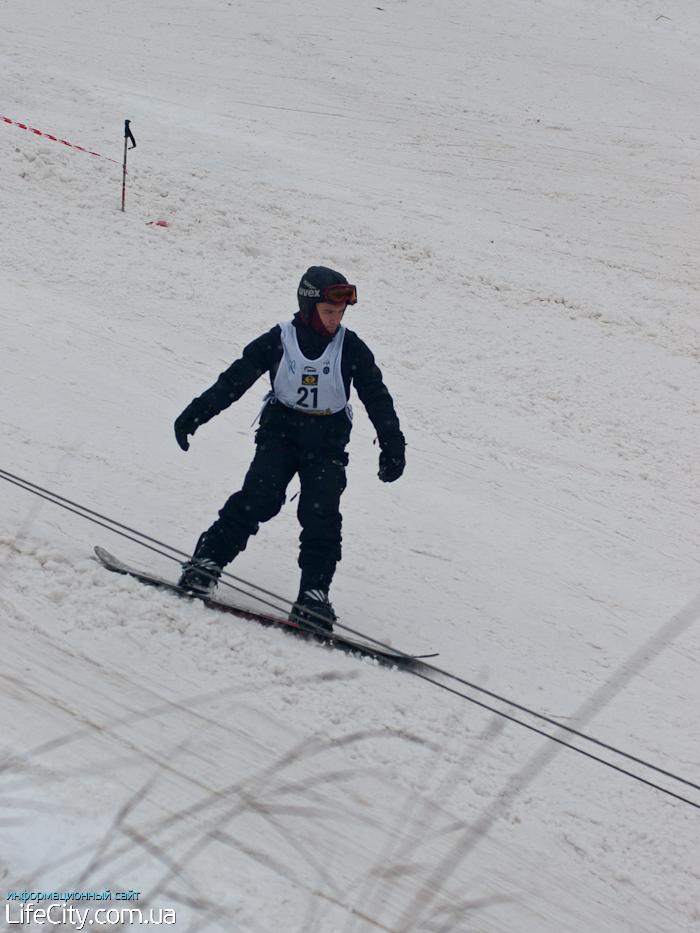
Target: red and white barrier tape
(57, 140)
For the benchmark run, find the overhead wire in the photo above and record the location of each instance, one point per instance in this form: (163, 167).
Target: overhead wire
(420, 668)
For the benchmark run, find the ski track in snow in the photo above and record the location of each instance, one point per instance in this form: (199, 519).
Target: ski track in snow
(512, 187)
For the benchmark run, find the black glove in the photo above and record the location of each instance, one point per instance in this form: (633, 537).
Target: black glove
(187, 423)
(392, 459)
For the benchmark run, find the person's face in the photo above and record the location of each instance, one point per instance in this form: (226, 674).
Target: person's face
(331, 315)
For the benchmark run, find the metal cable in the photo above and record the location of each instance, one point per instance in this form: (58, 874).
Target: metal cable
(421, 669)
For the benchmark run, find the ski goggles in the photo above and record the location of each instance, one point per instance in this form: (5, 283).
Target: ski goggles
(340, 294)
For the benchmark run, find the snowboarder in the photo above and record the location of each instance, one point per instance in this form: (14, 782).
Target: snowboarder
(304, 428)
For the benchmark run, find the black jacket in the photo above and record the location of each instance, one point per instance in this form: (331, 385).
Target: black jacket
(264, 354)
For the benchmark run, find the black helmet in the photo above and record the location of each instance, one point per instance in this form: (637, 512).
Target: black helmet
(312, 287)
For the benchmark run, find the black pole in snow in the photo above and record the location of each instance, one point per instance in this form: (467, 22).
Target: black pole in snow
(127, 136)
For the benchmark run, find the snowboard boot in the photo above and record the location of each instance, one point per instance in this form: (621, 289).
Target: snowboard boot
(199, 576)
(201, 572)
(312, 609)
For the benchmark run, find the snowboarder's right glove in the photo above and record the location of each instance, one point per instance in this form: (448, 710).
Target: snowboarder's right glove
(187, 423)
(392, 459)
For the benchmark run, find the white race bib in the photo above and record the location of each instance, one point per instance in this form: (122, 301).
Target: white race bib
(313, 386)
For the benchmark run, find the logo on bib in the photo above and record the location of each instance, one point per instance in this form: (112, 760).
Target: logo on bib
(309, 369)
(309, 380)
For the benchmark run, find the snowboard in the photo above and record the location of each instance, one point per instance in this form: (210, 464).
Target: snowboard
(383, 655)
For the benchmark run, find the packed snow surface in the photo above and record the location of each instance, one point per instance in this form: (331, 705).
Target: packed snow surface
(512, 185)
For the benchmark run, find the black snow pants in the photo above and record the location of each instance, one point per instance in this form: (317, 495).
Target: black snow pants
(290, 442)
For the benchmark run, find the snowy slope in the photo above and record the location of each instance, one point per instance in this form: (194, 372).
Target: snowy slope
(512, 186)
